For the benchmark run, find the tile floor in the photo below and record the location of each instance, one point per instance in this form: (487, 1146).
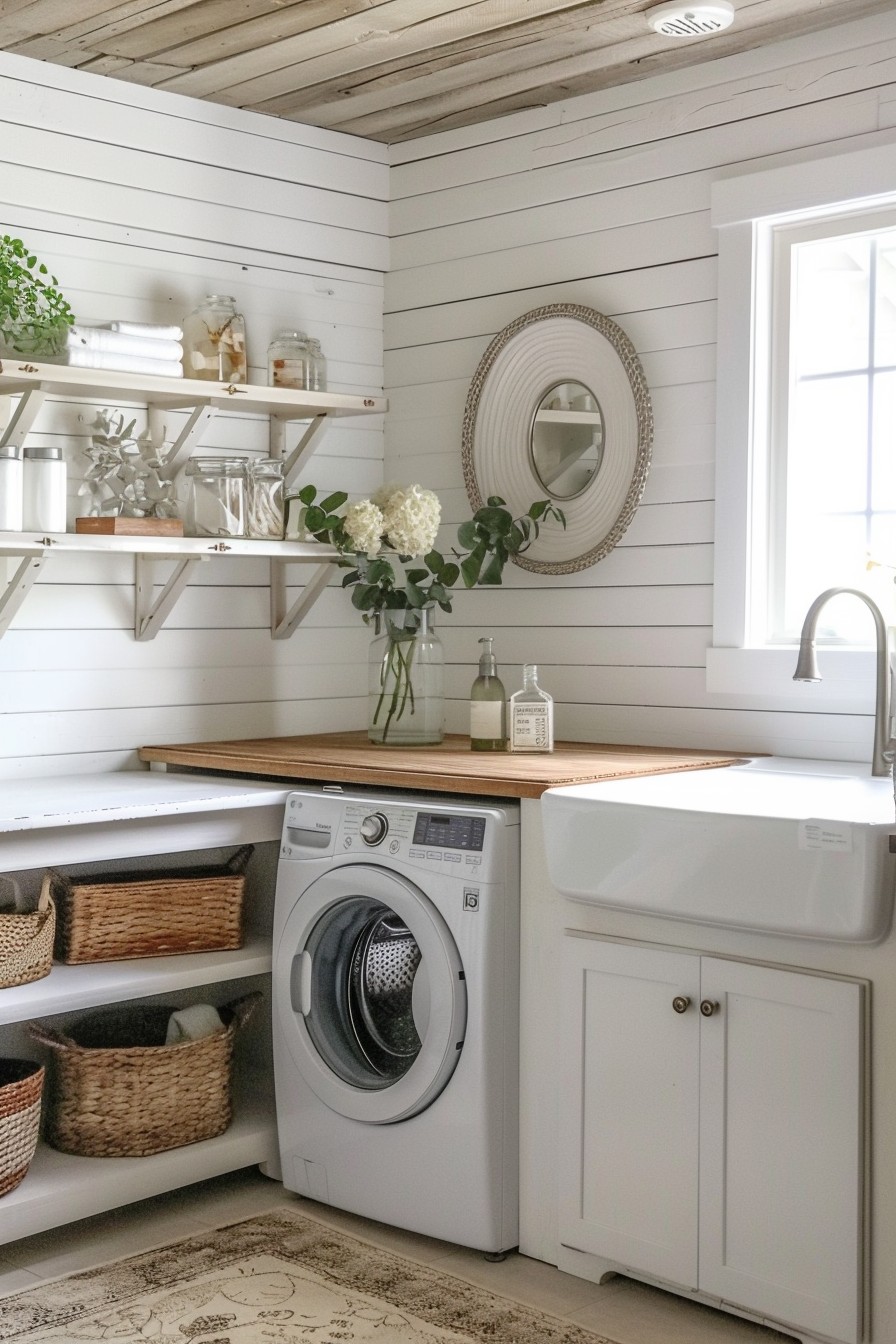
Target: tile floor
(626, 1311)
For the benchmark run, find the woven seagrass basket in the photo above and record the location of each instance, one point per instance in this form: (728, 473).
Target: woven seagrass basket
(21, 1081)
(117, 916)
(26, 942)
(116, 1090)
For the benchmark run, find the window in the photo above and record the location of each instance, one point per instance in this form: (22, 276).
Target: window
(831, 424)
(806, 423)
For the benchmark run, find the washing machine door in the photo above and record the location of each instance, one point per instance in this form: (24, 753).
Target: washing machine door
(370, 993)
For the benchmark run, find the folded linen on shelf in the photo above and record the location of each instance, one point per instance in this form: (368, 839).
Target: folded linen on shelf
(193, 1024)
(120, 343)
(83, 358)
(149, 330)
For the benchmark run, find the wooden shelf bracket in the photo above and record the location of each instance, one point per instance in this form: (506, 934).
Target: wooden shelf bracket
(284, 622)
(151, 612)
(19, 586)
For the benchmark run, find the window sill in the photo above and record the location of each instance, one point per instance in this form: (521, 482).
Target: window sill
(764, 677)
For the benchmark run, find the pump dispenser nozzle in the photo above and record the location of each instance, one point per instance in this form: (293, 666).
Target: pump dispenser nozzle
(488, 666)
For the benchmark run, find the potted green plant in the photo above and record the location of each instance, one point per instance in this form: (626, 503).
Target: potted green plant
(34, 316)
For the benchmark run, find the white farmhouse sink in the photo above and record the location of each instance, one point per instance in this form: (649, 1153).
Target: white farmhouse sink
(776, 845)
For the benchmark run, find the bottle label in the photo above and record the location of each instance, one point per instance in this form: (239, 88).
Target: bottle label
(530, 729)
(485, 719)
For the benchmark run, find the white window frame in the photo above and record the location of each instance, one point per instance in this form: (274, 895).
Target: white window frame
(743, 211)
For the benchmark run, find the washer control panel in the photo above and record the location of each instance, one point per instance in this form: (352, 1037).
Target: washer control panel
(453, 841)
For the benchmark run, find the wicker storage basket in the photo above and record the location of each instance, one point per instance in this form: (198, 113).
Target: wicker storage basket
(21, 1081)
(116, 1090)
(26, 942)
(116, 916)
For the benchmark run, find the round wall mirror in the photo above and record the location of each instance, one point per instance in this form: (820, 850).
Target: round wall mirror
(559, 409)
(567, 440)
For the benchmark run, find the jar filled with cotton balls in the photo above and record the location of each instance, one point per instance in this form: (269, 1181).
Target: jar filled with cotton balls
(265, 501)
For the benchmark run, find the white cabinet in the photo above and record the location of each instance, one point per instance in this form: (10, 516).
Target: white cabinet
(711, 1128)
(32, 383)
(122, 820)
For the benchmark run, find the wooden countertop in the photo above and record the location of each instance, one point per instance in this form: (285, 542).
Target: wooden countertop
(450, 767)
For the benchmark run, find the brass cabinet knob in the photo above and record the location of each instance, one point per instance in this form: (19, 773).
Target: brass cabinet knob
(708, 1007)
(680, 1003)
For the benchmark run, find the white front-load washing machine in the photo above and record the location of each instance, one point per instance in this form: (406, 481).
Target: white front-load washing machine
(396, 1009)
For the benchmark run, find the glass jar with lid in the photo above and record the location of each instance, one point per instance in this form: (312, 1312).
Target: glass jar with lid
(215, 341)
(217, 498)
(317, 367)
(288, 360)
(265, 517)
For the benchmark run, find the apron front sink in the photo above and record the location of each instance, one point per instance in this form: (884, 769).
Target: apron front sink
(773, 845)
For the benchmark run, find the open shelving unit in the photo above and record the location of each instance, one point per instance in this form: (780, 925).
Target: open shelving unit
(77, 820)
(31, 384)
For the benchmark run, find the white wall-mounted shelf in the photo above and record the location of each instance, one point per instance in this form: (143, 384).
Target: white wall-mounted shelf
(32, 383)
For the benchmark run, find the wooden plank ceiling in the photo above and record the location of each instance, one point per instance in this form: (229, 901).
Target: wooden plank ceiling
(388, 69)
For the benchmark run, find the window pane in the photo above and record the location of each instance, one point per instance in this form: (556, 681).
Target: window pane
(830, 305)
(828, 553)
(828, 446)
(885, 329)
(883, 489)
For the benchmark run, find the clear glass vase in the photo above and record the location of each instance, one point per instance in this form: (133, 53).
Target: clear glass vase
(406, 680)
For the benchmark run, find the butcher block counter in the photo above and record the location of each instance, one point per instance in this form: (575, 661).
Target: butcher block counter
(450, 767)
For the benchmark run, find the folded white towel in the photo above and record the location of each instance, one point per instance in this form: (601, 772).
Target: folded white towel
(118, 343)
(149, 330)
(97, 359)
(193, 1024)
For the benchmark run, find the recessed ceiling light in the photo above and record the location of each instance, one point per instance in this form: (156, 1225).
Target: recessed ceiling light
(695, 20)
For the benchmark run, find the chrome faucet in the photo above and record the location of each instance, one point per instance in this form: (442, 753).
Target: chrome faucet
(807, 670)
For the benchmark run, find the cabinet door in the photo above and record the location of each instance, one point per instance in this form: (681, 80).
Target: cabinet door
(781, 1145)
(629, 1095)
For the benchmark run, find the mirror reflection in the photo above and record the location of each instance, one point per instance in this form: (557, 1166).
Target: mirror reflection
(566, 441)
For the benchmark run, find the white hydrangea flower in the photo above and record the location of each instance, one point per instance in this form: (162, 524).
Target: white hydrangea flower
(382, 496)
(411, 520)
(365, 526)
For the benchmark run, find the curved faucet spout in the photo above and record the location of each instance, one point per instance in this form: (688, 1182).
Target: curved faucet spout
(807, 670)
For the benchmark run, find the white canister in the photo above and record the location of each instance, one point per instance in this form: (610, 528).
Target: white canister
(10, 489)
(43, 490)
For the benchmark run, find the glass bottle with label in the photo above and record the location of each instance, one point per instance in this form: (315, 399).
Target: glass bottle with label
(487, 708)
(215, 341)
(531, 715)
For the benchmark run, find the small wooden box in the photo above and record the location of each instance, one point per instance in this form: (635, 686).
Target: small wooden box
(130, 527)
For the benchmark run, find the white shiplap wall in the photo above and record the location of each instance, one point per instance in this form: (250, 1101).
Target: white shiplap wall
(604, 200)
(141, 203)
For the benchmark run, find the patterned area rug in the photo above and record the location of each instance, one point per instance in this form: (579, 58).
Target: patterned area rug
(278, 1279)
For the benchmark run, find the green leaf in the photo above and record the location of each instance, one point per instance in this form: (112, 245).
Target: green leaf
(471, 566)
(495, 501)
(448, 575)
(538, 509)
(433, 562)
(493, 570)
(364, 596)
(496, 520)
(417, 596)
(334, 501)
(315, 519)
(417, 575)
(380, 571)
(468, 535)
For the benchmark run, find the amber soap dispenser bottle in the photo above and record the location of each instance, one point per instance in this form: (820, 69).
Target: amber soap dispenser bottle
(488, 714)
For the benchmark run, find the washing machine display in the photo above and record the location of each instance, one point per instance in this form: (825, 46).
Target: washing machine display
(395, 1010)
